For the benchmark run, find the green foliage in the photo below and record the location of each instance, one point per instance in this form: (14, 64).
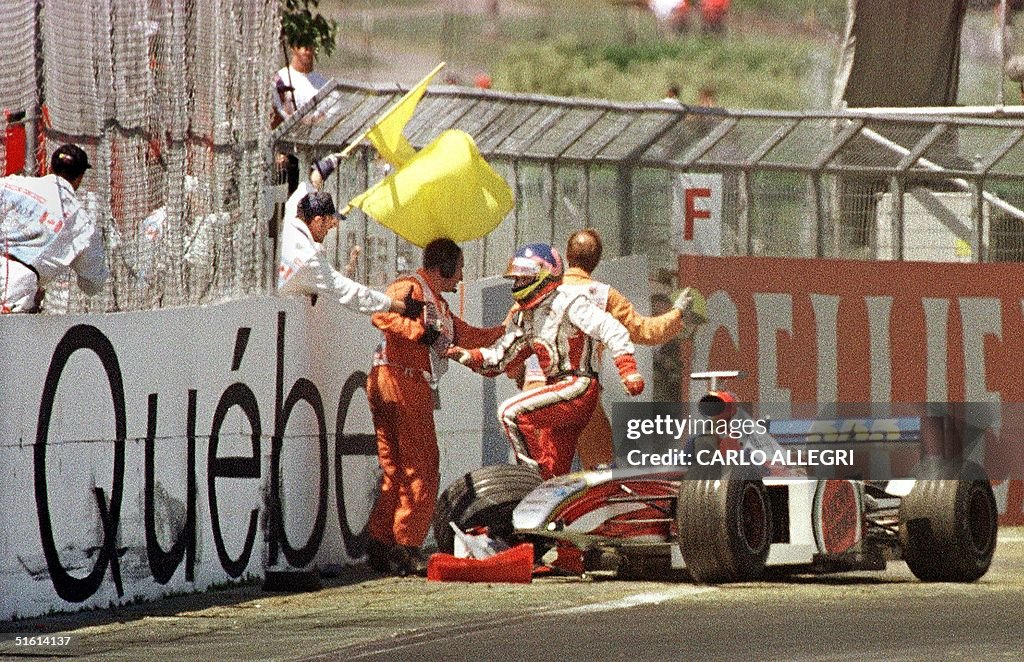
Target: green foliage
(776, 54)
(302, 25)
(748, 73)
(828, 13)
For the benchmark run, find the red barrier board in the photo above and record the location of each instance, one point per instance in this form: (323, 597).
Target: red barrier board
(810, 330)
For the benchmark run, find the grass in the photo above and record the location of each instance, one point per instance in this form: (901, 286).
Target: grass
(752, 73)
(777, 54)
(600, 49)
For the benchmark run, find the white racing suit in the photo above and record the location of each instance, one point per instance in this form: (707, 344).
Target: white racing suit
(304, 270)
(44, 230)
(564, 331)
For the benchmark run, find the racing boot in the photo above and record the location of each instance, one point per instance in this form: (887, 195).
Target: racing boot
(408, 561)
(378, 556)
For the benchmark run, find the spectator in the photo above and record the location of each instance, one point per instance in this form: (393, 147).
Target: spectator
(672, 94)
(707, 96)
(712, 15)
(293, 87)
(406, 366)
(482, 81)
(296, 84)
(43, 230)
(562, 328)
(303, 270)
(675, 14)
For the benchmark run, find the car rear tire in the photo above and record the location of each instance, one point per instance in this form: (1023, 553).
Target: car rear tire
(725, 526)
(949, 523)
(485, 497)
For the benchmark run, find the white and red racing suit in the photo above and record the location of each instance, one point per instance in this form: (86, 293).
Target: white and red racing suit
(564, 331)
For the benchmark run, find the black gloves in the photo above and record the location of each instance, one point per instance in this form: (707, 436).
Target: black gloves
(413, 307)
(430, 335)
(326, 166)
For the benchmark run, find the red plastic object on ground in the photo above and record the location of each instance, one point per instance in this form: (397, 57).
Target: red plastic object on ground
(513, 566)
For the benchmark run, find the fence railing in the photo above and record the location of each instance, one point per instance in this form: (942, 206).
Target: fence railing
(919, 184)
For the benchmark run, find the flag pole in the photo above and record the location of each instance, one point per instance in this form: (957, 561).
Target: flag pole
(352, 145)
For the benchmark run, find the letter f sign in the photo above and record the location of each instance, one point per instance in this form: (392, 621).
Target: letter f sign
(691, 212)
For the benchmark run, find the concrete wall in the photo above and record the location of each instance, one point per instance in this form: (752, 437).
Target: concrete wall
(149, 453)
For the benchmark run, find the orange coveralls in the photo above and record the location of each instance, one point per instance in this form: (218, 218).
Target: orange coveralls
(595, 443)
(402, 406)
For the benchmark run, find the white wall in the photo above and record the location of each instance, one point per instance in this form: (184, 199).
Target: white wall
(95, 378)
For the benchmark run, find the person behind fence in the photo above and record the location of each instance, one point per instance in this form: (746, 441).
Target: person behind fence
(294, 86)
(672, 94)
(304, 270)
(563, 328)
(410, 359)
(583, 254)
(318, 173)
(44, 229)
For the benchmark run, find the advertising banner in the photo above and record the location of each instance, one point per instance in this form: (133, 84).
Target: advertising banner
(827, 331)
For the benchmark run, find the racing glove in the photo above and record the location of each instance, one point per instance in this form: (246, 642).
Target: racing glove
(471, 358)
(413, 309)
(632, 380)
(691, 303)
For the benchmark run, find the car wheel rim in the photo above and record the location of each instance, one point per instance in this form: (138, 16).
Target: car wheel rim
(753, 525)
(980, 521)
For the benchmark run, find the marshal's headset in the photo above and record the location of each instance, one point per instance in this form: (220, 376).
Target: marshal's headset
(448, 265)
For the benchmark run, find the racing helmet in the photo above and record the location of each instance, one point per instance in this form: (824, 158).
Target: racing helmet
(542, 264)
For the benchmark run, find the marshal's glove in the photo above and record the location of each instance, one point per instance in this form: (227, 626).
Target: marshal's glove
(632, 380)
(413, 309)
(430, 335)
(471, 358)
(691, 303)
(321, 170)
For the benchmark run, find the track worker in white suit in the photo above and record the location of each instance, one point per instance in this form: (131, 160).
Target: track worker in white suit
(564, 329)
(303, 269)
(44, 229)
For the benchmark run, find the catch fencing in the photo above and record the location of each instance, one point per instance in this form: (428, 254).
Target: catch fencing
(170, 100)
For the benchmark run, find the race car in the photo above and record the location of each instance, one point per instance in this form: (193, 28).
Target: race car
(730, 523)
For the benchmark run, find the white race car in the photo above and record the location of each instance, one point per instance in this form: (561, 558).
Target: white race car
(727, 524)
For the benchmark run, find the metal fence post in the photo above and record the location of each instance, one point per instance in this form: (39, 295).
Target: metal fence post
(820, 214)
(551, 180)
(979, 238)
(624, 195)
(896, 228)
(746, 239)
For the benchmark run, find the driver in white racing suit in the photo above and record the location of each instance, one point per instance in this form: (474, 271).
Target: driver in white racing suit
(563, 328)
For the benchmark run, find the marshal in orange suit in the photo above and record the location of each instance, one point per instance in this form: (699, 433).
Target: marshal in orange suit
(407, 364)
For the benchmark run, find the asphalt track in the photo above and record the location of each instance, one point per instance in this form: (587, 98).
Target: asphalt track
(355, 616)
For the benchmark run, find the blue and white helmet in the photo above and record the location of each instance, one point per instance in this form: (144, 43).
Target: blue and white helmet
(542, 264)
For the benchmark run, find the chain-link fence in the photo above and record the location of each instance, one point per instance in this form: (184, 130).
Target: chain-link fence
(170, 98)
(941, 185)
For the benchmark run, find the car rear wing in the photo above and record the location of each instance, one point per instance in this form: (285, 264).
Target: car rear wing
(935, 435)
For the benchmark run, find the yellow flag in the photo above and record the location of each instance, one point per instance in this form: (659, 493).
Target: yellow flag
(386, 134)
(445, 190)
